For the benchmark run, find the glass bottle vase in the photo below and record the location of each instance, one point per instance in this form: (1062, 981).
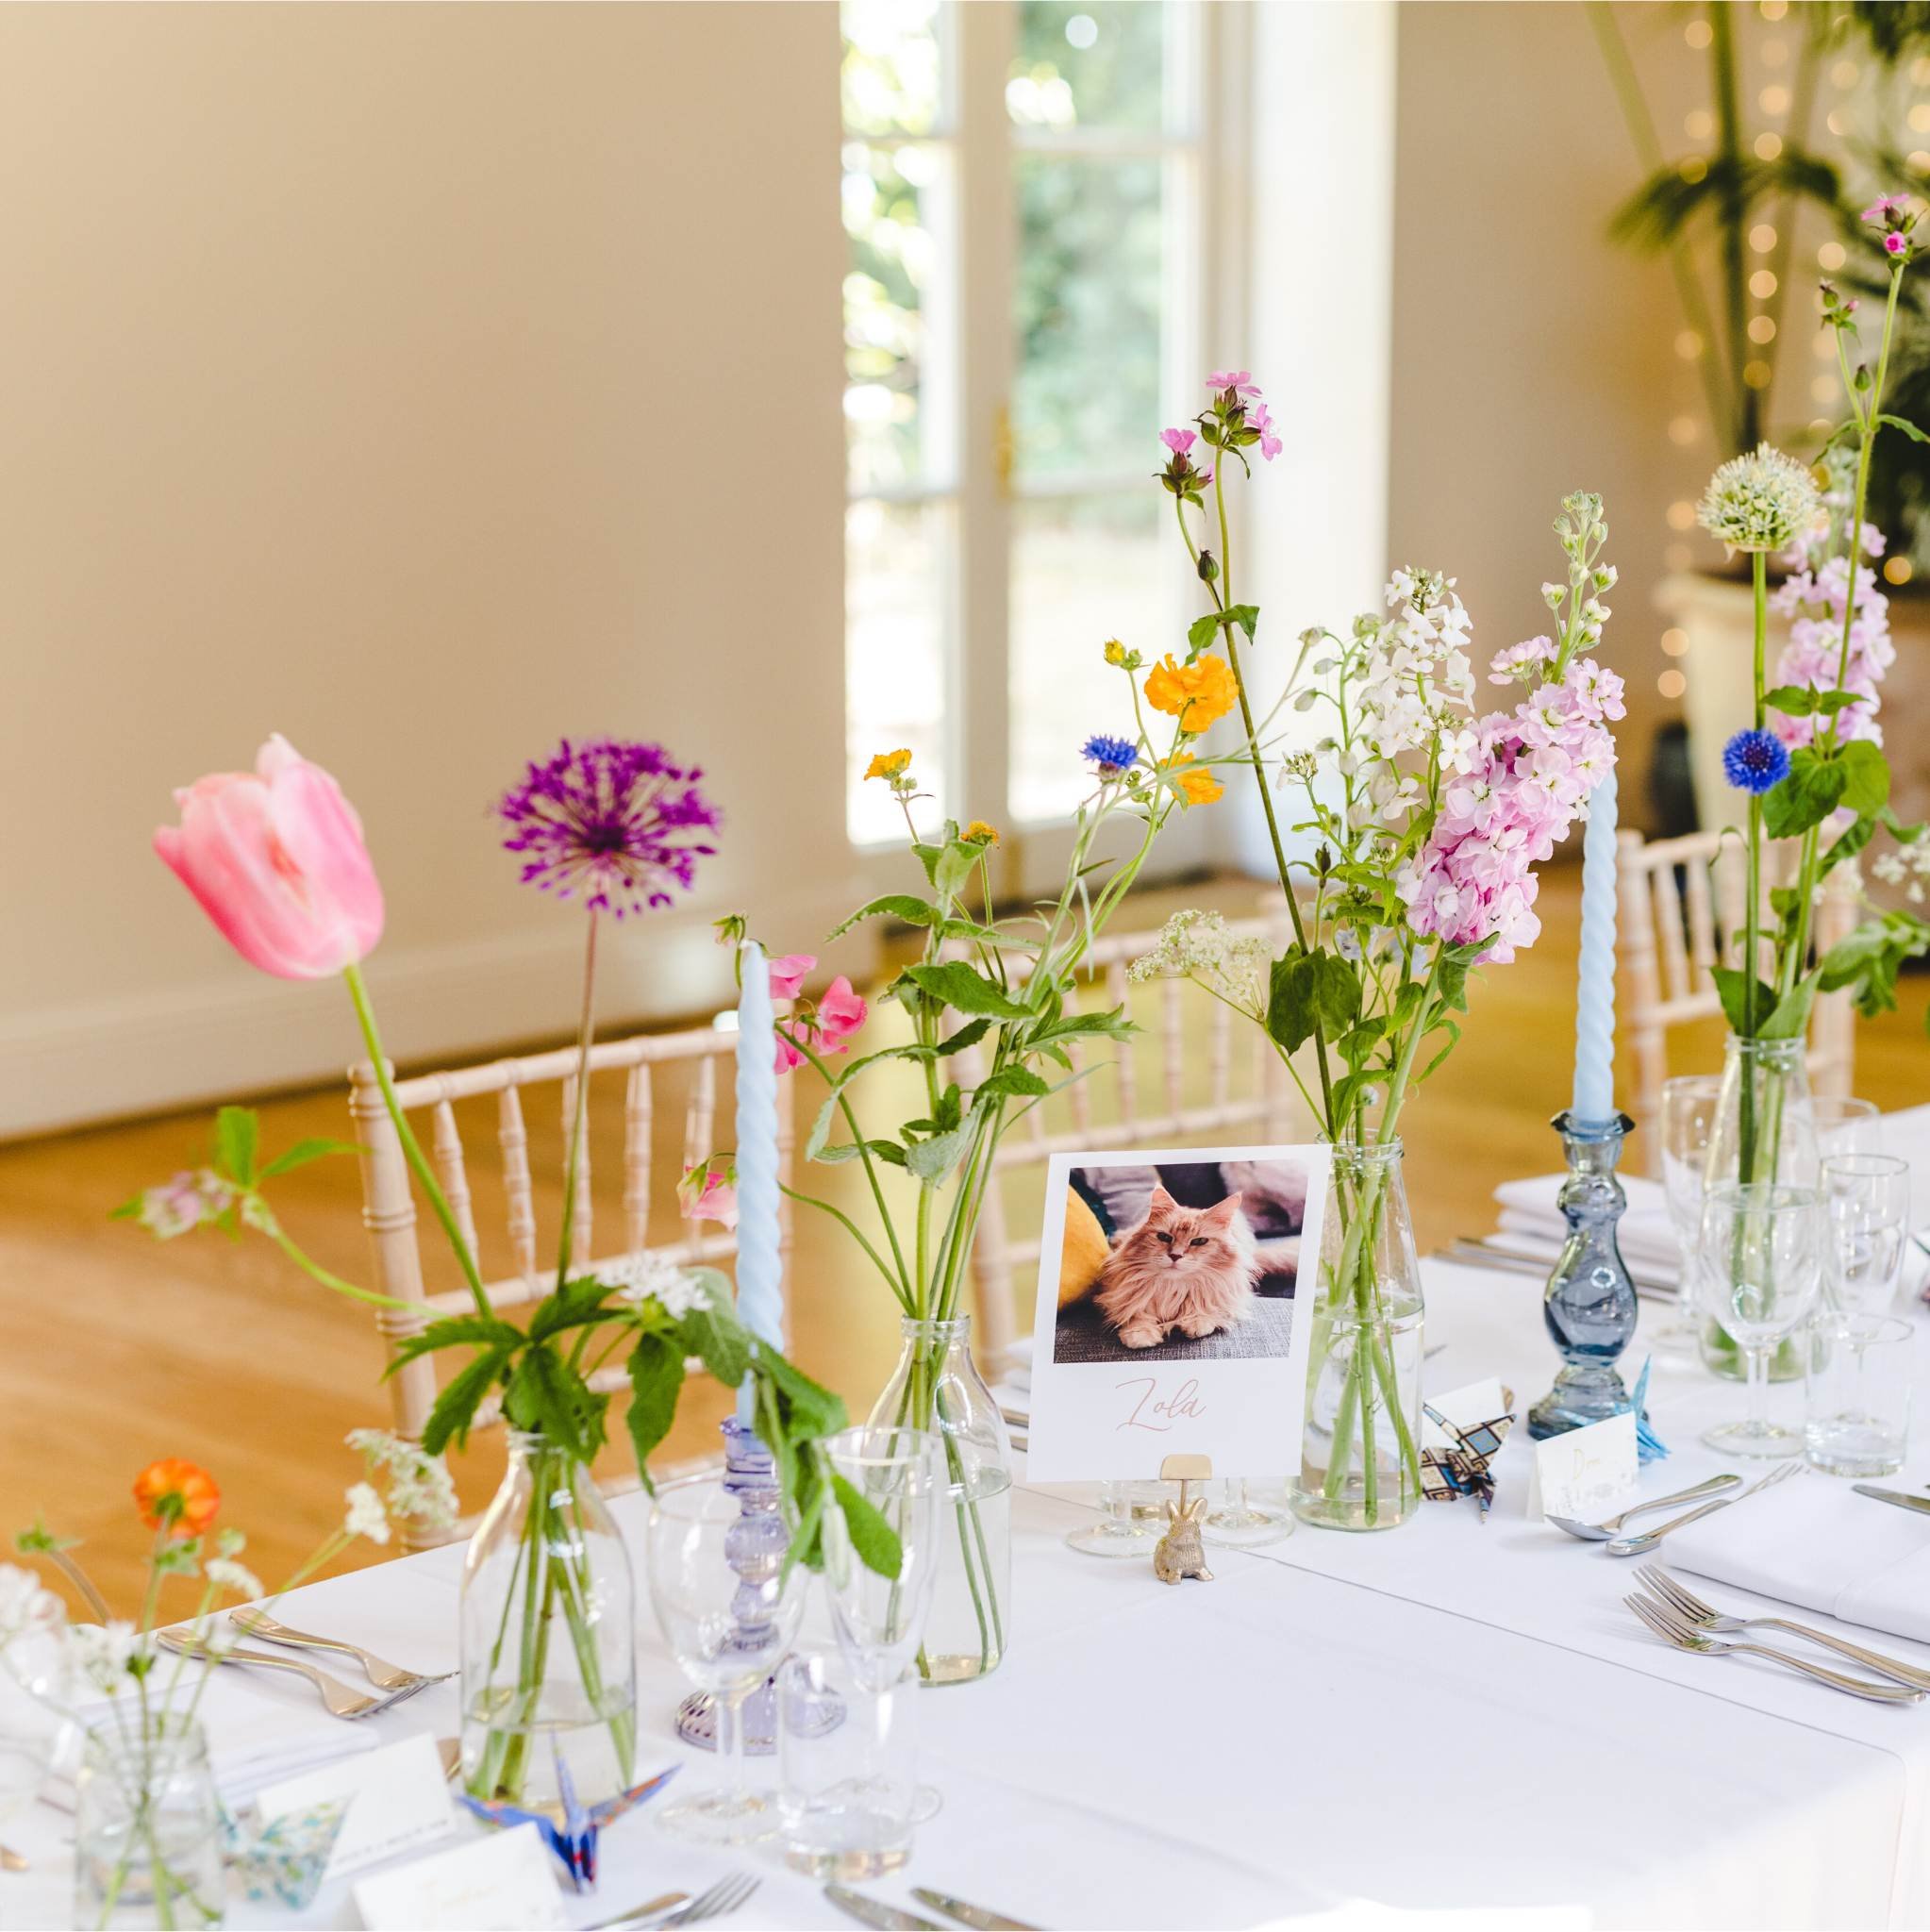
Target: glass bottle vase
(549, 1661)
(1764, 1131)
(146, 1824)
(936, 1385)
(1361, 1455)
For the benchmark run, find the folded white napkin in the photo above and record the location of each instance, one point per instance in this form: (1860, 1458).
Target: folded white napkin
(1813, 1541)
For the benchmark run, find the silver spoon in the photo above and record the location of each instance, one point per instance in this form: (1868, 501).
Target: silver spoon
(1647, 1539)
(1602, 1532)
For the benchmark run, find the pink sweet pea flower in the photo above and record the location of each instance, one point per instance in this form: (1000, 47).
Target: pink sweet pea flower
(788, 972)
(835, 1018)
(276, 859)
(709, 1193)
(1178, 441)
(1239, 380)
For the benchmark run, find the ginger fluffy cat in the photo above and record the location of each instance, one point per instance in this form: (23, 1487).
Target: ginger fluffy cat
(1186, 1268)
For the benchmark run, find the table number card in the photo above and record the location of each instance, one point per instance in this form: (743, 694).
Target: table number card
(1176, 1293)
(1587, 1473)
(502, 1883)
(398, 1795)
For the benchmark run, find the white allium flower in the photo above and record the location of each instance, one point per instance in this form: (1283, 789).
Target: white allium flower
(366, 1515)
(1760, 501)
(419, 1486)
(102, 1652)
(652, 1276)
(225, 1574)
(26, 1604)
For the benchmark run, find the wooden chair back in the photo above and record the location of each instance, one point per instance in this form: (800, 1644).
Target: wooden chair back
(702, 1061)
(1682, 912)
(1188, 1031)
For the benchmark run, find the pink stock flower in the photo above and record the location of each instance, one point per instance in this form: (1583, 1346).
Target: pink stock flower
(709, 1192)
(1178, 441)
(276, 859)
(788, 972)
(1261, 419)
(1239, 380)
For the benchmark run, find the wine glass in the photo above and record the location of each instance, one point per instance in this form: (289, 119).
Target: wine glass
(1691, 1106)
(1843, 1126)
(1758, 1263)
(1241, 1522)
(880, 1620)
(1866, 1207)
(729, 1613)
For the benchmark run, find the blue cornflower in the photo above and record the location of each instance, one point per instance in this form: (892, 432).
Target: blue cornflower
(1112, 754)
(1756, 760)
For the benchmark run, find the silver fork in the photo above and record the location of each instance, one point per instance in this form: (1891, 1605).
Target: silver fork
(723, 1898)
(337, 1698)
(384, 1675)
(1707, 1617)
(1670, 1629)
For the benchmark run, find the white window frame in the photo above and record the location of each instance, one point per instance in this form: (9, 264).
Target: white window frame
(970, 464)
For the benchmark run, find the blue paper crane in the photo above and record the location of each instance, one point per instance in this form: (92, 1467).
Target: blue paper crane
(575, 1840)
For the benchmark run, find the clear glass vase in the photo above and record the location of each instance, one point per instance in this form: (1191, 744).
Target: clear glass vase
(549, 1661)
(1359, 1455)
(937, 1387)
(1764, 1132)
(148, 1826)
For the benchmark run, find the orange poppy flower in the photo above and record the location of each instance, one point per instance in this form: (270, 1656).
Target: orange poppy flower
(1198, 694)
(181, 1494)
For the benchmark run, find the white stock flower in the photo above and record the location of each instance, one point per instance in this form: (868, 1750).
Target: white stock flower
(26, 1604)
(366, 1515)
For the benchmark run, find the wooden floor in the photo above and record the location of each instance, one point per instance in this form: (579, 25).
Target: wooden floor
(115, 1349)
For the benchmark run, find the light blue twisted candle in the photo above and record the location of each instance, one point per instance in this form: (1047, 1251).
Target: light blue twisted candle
(759, 1266)
(1595, 1044)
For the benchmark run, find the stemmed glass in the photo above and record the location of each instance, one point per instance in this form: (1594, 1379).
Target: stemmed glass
(1758, 1263)
(1242, 1522)
(880, 1620)
(729, 1615)
(1866, 1205)
(1691, 1106)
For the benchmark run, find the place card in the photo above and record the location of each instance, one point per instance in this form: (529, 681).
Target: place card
(398, 1798)
(502, 1883)
(1587, 1473)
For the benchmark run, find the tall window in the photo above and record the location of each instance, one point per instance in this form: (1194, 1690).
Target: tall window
(1022, 191)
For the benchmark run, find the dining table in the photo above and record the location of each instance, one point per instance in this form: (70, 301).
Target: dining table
(1456, 1720)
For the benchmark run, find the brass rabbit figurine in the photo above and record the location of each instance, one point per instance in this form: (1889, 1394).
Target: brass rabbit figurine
(1180, 1553)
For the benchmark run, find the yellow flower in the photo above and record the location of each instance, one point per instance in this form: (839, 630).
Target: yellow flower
(979, 833)
(1197, 694)
(889, 765)
(1199, 788)
(1115, 651)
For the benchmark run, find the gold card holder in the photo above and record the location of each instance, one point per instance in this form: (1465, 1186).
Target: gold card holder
(1180, 1552)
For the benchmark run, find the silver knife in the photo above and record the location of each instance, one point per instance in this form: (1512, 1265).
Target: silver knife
(969, 1914)
(872, 1911)
(1921, 1504)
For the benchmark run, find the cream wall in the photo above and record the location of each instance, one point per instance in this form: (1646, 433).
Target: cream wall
(422, 382)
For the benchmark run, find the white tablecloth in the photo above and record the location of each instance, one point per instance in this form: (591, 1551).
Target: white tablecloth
(1445, 1719)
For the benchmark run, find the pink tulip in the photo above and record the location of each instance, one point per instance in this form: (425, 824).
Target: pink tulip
(276, 858)
(709, 1193)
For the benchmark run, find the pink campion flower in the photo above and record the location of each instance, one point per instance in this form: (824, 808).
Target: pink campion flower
(277, 860)
(1261, 418)
(1239, 380)
(787, 972)
(1178, 441)
(1884, 207)
(1894, 243)
(709, 1192)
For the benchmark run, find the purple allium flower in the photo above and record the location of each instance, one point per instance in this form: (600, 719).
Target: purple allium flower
(609, 822)
(1112, 754)
(1756, 760)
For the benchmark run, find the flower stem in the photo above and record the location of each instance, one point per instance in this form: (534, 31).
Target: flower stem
(579, 1112)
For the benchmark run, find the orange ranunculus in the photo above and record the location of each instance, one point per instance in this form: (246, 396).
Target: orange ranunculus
(1197, 694)
(181, 1494)
(1199, 788)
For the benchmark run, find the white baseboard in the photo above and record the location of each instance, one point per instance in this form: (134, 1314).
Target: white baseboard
(244, 1033)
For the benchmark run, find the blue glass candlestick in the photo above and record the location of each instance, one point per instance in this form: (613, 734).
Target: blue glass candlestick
(1590, 1304)
(755, 1548)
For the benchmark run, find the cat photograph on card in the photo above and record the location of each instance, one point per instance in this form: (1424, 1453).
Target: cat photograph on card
(1189, 1261)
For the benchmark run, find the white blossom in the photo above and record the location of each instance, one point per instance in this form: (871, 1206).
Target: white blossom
(1760, 501)
(1199, 946)
(225, 1574)
(103, 1652)
(365, 1517)
(26, 1605)
(654, 1277)
(419, 1486)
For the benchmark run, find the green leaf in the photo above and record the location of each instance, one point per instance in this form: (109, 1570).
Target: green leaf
(461, 1397)
(657, 1379)
(957, 864)
(573, 1305)
(968, 1035)
(1907, 428)
(899, 906)
(1847, 845)
(806, 1406)
(1309, 989)
(931, 1160)
(1791, 1019)
(1731, 985)
(965, 988)
(1866, 777)
(545, 1392)
(874, 1539)
(452, 1331)
(841, 1151)
(1203, 630)
(1792, 700)
(1113, 1023)
(303, 1152)
(714, 1335)
(1010, 1080)
(1812, 791)
(237, 1134)
(985, 935)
